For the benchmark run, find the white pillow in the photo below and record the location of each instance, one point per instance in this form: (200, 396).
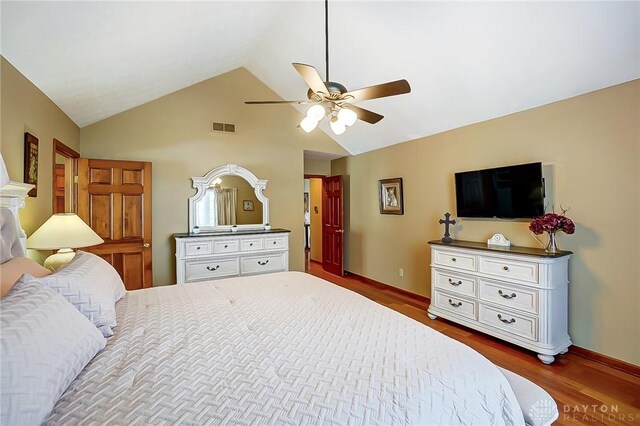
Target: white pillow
(92, 286)
(45, 343)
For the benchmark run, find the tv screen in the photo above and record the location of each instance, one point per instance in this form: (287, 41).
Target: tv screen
(505, 192)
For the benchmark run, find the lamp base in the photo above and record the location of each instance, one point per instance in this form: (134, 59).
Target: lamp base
(59, 259)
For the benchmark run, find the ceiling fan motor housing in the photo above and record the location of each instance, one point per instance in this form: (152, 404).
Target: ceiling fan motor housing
(336, 90)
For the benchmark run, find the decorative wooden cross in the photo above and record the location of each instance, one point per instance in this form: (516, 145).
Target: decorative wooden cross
(447, 237)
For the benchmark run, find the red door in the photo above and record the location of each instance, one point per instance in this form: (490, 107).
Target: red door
(332, 229)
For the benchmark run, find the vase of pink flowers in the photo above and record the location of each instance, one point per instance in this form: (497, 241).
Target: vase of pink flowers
(551, 223)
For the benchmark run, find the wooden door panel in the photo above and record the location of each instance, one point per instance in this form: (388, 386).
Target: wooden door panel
(100, 176)
(132, 223)
(114, 198)
(332, 229)
(100, 215)
(131, 177)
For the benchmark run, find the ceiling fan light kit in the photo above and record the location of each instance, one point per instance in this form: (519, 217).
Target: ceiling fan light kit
(308, 124)
(333, 100)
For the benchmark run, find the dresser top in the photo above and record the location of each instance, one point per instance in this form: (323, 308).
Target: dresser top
(230, 234)
(528, 251)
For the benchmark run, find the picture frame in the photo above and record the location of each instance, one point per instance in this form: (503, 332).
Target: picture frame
(247, 205)
(31, 162)
(391, 196)
(306, 202)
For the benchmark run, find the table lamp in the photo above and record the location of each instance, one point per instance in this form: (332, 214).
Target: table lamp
(63, 232)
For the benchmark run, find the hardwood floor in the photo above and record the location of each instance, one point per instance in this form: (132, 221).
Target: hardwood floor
(587, 392)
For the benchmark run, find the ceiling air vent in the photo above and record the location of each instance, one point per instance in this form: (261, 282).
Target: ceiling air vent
(223, 127)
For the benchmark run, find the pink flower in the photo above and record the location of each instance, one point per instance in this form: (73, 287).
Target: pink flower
(551, 223)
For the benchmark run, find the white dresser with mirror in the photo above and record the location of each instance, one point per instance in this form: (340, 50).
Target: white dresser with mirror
(229, 233)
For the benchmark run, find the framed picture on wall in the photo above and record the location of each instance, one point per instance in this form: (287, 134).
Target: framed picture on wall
(31, 162)
(391, 197)
(247, 205)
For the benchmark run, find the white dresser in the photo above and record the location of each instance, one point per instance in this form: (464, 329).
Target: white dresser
(201, 257)
(517, 294)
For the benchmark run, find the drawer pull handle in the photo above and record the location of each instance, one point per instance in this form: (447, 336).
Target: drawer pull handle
(275, 242)
(507, 296)
(452, 282)
(506, 268)
(263, 263)
(250, 244)
(506, 321)
(213, 269)
(453, 259)
(198, 248)
(455, 305)
(226, 246)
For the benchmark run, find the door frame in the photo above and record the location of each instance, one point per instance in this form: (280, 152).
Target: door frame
(310, 176)
(71, 154)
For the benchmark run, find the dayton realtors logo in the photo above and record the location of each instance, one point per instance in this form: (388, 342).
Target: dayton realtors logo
(598, 413)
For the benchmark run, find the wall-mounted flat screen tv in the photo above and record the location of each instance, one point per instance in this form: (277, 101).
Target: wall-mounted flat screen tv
(511, 192)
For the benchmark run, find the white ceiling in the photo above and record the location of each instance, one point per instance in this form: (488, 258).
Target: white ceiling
(466, 61)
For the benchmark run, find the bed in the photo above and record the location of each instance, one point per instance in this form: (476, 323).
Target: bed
(282, 348)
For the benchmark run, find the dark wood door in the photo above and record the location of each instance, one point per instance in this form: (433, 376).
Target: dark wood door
(114, 198)
(332, 225)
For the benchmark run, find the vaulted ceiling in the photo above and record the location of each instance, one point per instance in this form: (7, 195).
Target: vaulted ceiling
(466, 61)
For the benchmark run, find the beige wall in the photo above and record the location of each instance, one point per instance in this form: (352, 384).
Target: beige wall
(24, 108)
(173, 133)
(592, 143)
(315, 207)
(317, 167)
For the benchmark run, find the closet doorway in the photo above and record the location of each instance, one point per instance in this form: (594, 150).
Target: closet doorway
(313, 219)
(64, 172)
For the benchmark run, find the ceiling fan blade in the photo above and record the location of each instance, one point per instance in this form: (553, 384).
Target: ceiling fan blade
(392, 88)
(275, 102)
(311, 77)
(366, 115)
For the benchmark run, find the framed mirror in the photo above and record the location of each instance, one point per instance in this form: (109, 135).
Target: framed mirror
(226, 196)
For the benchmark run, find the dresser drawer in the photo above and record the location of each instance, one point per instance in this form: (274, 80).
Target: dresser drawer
(275, 243)
(251, 244)
(458, 306)
(509, 322)
(226, 246)
(455, 260)
(455, 283)
(509, 295)
(197, 248)
(509, 269)
(259, 264)
(212, 268)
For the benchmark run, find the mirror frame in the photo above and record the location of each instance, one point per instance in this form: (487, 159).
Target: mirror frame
(202, 183)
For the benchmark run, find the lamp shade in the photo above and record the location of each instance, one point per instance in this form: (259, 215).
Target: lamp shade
(63, 230)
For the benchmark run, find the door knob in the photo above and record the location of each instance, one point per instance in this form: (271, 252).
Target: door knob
(147, 245)
(339, 231)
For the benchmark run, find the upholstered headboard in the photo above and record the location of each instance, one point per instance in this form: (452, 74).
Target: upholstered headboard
(13, 241)
(12, 244)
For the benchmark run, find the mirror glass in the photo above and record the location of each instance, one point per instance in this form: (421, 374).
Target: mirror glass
(226, 196)
(230, 200)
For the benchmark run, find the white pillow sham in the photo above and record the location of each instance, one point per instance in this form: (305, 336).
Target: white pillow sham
(45, 344)
(92, 286)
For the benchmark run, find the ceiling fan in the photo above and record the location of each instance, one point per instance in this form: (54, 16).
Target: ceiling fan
(333, 100)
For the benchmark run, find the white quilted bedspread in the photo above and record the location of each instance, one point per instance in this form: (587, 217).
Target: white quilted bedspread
(284, 348)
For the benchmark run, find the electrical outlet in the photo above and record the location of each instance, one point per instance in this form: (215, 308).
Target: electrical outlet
(401, 272)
